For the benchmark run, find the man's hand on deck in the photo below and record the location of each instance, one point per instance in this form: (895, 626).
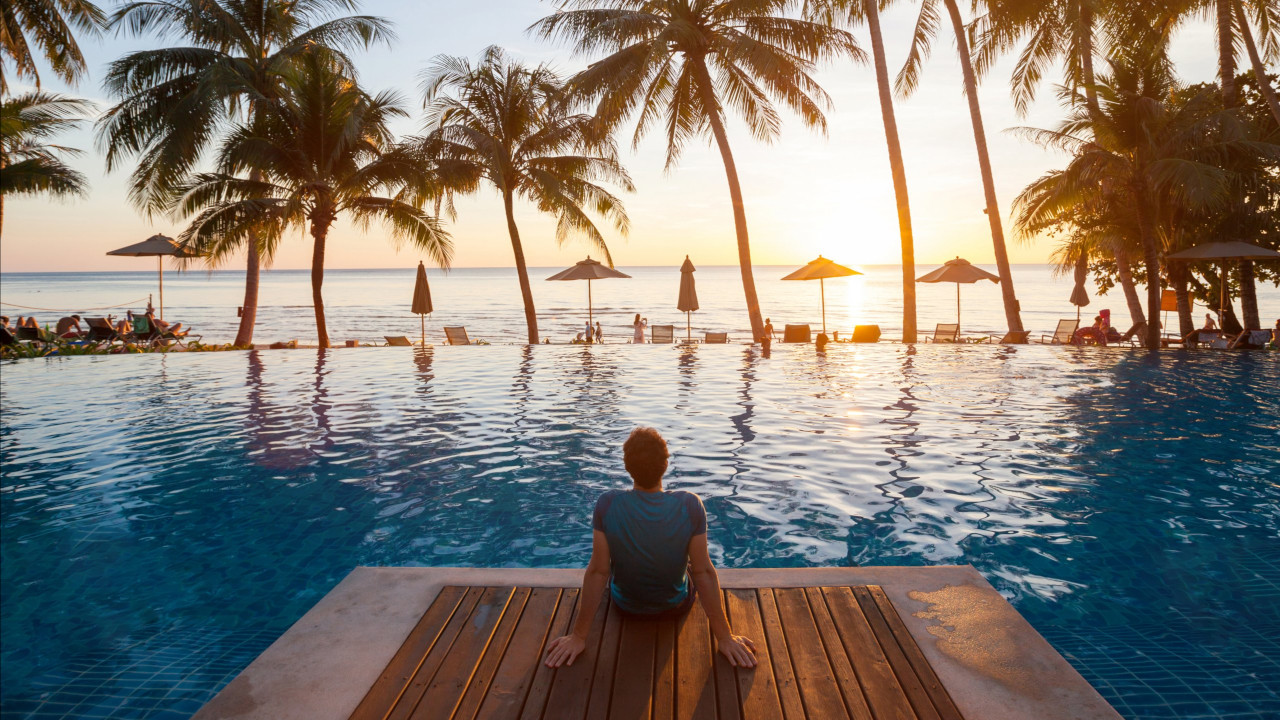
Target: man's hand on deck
(739, 650)
(564, 649)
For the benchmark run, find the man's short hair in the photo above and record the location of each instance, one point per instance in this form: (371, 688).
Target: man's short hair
(645, 456)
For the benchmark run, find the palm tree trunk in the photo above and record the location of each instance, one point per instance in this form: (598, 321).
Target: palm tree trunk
(1011, 309)
(1086, 65)
(1, 214)
(1259, 70)
(1249, 297)
(1125, 272)
(1151, 258)
(899, 172)
(249, 311)
(1178, 273)
(319, 231)
(1227, 54)
(526, 292)
(705, 89)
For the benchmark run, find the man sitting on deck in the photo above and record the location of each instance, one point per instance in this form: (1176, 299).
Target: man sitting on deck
(654, 544)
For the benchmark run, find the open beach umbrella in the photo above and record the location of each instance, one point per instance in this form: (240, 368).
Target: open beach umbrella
(422, 299)
(1079, 296)
(158, 246)
(688, 301)
(820, 270)
(957, 271)
(588, 270)
(1234, 250)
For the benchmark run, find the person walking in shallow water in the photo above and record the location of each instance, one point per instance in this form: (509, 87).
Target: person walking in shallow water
(649, 552)
(639, 325)
(599, 333)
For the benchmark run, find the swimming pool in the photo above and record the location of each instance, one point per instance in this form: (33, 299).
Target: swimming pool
(166, 517)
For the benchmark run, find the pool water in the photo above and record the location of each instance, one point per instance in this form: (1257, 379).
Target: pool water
(165, 518)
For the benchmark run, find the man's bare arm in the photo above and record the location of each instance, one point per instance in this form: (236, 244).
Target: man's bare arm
(739, 650)
(563, 650)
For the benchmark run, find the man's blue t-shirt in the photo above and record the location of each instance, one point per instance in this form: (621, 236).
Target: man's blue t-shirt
(649, 535)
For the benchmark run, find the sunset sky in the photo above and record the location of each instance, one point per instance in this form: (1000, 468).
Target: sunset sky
(805, 194)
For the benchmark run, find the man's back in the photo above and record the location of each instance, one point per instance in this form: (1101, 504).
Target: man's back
(648, 534)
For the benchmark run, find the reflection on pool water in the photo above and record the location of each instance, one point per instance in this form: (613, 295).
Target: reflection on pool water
(166, 517)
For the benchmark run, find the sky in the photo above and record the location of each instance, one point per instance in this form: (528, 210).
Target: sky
(805, 193)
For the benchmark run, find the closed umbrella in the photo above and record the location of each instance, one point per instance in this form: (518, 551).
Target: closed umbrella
(588, 270)
(1234, 250)
(422, 300)
(688, 301)
(1079, 296)
(158, 246)
(820, 270)
(957, 271)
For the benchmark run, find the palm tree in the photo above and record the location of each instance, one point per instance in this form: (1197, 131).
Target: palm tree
(510, 125)
(1153, 157)
(854, 11)
(174, 101)
(322, 150)
(28, 27)
(681, 61)
(908, 78)
(29, 164)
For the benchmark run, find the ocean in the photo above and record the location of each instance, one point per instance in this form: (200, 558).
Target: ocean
(366, 305)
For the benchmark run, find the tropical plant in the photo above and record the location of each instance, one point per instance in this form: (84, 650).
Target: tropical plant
(511, 126)
(31, 27)
(680, 62)
(1152, 159)
(854, 12)
(175, 101)
(321, 150)
(29, 163)
(926, 29)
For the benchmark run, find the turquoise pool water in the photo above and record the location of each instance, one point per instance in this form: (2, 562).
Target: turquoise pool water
(166, 517)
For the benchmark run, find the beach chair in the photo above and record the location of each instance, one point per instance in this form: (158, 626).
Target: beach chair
(34, 335)
(1131, 337)
(866, 333)
(457, 336)
(144, 333)
(1249, 340)
(1019, 337)
(397, 341)
(945, 333)
(714, 338)
(1199, 337)
(662, 333)
(100, 331)
(1062, 336)
(7, 338)
(796, 334)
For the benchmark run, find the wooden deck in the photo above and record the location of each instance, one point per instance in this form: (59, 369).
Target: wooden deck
(825, 653)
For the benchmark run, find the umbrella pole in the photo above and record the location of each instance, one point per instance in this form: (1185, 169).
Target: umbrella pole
(1222, 297)
(423, 320)
(822, 283)
(589, 313)
(160, 263)
(688, 329)
(957, 307)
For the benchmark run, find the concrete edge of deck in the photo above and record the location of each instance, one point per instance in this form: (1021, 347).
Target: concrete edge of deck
(992, 662)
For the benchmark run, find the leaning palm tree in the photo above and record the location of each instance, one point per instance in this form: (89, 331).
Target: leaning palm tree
(45, 27)
(908, 79)
(321, 151)
(853, 12)
(510, 125)
(679, 62)
(173, 102)
(29, 163)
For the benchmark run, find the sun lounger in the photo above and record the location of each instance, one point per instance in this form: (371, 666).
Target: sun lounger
(1249, 340)
(866, 333)
(1062, 336)
(100, 331)
(457, 336)
(397, 340)
(945, 333)
(144, 333)
(6, 337)
(34, 335)
(662, 333)
(714, 338)
(1197, 337)
(1018, 337)
(796, 334)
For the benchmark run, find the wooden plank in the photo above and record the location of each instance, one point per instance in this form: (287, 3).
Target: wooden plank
(606, 662)
(499, 646)
(728, 705)
(695, 675)
(632, 696)
(902, 669)
(758, 688)
(441, 696)
(880, 686)
(540, 687)
(571, 684)
(846, 679)
(664, 672)
(514, 674)
(814, 677)
(780, 656)
(405, 663)
(937, 691)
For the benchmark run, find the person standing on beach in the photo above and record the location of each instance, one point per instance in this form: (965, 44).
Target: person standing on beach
(599, 333)
(649, 552)
(588, 332)
(639, 325)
